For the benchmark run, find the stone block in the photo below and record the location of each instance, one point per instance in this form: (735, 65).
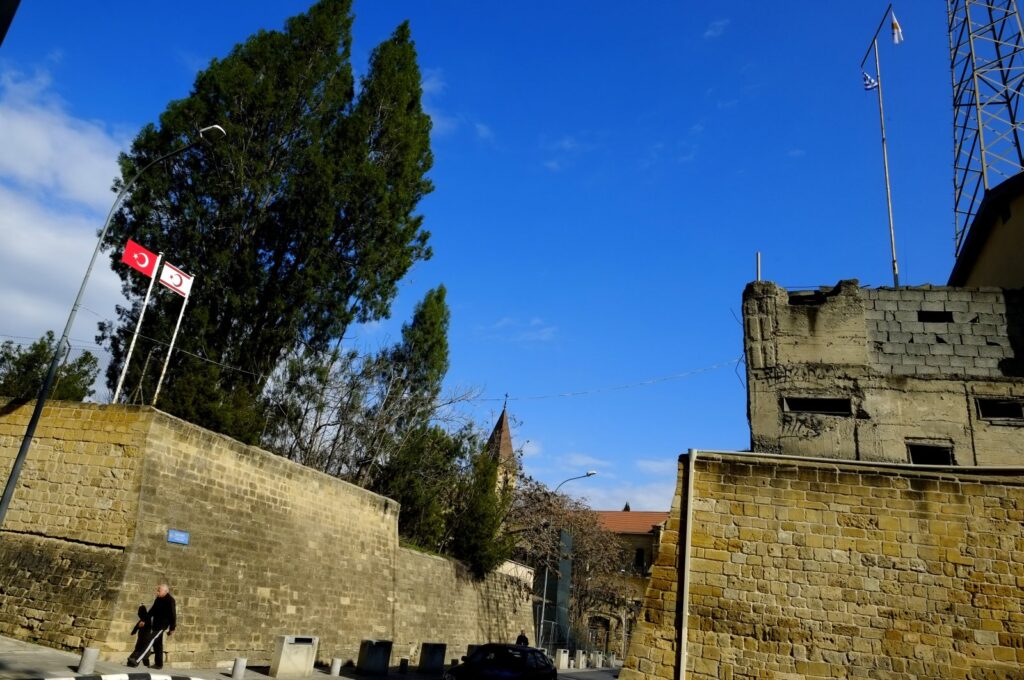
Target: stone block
(294, 656)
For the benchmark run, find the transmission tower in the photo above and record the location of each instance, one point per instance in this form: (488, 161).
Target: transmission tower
(986, 49)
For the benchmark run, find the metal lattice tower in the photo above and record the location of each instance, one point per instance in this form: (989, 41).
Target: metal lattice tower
(987, 58)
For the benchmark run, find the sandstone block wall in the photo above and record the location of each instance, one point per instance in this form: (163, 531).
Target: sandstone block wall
(274, 548)
(439, 601)
(70, 522)
(906, 379)
(841, 570)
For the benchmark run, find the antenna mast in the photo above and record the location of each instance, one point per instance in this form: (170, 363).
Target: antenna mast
(987, 62)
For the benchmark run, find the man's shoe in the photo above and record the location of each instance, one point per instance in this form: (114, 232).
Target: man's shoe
(158, 668)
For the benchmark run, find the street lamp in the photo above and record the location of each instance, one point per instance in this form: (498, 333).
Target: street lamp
(210, 132)
(544, 600)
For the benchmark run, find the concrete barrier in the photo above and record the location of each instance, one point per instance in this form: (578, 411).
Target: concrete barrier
(561, 659)
(335, 667)
(581, 659)
(470, 649)
(596, 660)
(432, 657)
(374, 657)
(238, 668)
(294, 655)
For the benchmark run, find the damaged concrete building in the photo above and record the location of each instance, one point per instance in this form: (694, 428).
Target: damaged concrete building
(928, 375)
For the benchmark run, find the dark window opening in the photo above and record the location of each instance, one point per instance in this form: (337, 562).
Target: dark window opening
(639, 563)
(1000, 409)
(934, 317)
(930, 454)
(829, 406)
(807, 297)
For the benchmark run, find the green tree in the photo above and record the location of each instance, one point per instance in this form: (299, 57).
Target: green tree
(476, 528)
(300, 222)
(22, 371)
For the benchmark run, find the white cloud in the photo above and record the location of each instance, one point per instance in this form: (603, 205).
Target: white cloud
(552, 165)
(47, 150)
(796, 153)
(716, 28)
(55, 177)
(532, 448)
(433, 81)
(659, 466)
(651, 496)
(483, 131)
(582, 460)
(509, 329)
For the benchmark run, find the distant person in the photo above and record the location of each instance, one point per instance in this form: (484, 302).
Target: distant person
(522, 639)
(163, 618)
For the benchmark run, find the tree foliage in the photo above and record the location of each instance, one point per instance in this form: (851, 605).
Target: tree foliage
(298, 223)
(600, 578)
(23, 370)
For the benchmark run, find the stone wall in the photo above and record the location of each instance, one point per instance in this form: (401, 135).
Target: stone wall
(274, 548)
(71, 520)
(867, 374)
(826, 569)
(439, 601)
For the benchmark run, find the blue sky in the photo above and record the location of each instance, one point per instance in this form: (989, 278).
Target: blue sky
(604, 175)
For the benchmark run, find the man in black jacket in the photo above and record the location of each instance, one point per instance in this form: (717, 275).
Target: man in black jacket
(164, 618)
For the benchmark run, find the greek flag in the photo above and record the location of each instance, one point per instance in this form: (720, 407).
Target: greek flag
(869, 82)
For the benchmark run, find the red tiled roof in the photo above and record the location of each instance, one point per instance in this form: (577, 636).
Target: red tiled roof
(629, 521)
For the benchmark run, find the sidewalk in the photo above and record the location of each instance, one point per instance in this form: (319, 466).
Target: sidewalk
(26, 661)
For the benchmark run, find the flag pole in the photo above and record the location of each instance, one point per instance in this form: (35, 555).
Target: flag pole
(885, 163)
(138, 326)
(167, 359)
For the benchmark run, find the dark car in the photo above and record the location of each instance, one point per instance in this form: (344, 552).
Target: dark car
(504, 662)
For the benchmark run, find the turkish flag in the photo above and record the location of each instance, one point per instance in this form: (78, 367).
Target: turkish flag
(138, 258)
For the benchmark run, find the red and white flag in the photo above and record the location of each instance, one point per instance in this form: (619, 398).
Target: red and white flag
(176, 280)
(138, 258)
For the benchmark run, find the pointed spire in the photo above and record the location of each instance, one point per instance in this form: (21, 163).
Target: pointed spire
(626, 507)
(499, 445)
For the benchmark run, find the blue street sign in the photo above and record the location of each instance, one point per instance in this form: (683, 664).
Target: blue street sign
(175, 536)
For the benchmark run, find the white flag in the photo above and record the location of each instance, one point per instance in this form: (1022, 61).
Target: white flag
(897, 31)
(176, 280)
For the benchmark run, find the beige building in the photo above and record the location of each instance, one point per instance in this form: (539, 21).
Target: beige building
(926, 375)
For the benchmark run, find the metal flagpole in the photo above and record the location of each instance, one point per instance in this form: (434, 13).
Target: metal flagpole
(138, 326)
(167, 359)
(885, 148)
(885, 162)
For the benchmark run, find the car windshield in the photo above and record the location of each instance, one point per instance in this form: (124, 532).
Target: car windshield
(496, 655)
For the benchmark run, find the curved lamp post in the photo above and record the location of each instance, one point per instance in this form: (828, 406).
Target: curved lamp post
(209, 133)
(544, 600)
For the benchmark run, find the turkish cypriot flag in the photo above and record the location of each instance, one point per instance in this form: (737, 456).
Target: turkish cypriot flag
(176, 280)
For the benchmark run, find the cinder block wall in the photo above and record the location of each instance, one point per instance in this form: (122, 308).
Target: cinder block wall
(911, 362)
(274, 548)
(833, 569)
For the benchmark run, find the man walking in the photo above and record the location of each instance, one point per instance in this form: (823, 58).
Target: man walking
(164, 618)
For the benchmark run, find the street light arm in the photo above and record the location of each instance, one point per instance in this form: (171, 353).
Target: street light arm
(590, 473)
(51, 374)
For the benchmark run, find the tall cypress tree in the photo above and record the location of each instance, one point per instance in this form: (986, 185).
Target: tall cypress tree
(300, 222)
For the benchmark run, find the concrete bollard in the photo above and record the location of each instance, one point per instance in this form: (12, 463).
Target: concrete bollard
(335, 667)
(374, 657)
(596, 660)
(238, 669)
(403, 665)
(87, 664)
(561, 659)
(581, 659)
(432, 657)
